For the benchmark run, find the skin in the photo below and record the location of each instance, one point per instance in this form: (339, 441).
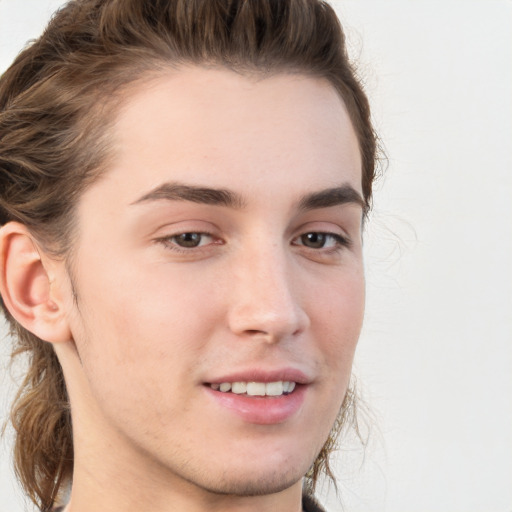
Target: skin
(151, 321)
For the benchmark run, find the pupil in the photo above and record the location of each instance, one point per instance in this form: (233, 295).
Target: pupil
(314, 240)
(188, 239)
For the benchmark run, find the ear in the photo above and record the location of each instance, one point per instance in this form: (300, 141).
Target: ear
(26, 287)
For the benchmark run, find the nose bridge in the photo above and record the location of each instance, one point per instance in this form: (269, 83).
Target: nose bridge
(264, 296)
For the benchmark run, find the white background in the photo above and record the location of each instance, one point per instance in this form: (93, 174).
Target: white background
(435, 357)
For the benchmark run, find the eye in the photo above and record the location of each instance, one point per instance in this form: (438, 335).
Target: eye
(318, 240)
(188, 240)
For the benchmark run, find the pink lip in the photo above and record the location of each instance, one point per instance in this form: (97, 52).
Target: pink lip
(262, 410)
(258, 375)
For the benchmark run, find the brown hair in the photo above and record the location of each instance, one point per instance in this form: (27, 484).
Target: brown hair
(55, 103)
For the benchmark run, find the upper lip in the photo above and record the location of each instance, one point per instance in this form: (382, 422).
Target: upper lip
(261, 375)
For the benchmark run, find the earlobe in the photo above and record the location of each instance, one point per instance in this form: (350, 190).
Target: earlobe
(26, 287)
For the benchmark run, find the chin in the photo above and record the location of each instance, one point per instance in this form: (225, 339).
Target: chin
(270, 469)
(271, 482)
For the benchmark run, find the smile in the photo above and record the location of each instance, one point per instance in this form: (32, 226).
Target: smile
(277, 388)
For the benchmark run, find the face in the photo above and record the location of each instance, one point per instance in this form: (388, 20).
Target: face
(219, 280)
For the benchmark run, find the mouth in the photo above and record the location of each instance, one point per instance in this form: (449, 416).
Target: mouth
(260, 402)
(256, 389)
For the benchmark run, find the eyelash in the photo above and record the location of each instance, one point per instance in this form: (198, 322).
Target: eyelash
(341, 242)
(170, 241)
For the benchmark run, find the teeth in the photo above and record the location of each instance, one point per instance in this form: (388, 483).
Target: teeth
(239, 388)
(256, 388)
(225, 386)
(274, 388)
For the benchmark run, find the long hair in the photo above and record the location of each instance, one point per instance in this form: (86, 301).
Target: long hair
(56, 102)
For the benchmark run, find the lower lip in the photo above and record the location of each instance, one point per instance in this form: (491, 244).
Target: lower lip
(261, 410)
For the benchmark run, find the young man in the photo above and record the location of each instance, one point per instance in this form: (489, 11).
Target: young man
(183, 185)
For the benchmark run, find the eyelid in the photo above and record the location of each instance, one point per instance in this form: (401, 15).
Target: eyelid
(341, 239)
(169, 232)
(328, 225)
(187, 225)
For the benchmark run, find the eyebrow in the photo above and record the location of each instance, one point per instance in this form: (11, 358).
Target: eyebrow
(195, 194)
(332, 197)
(224, 197)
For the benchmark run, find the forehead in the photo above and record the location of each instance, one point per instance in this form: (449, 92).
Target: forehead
(219, 128)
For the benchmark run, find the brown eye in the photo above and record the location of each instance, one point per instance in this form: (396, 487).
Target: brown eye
(188, 240)
(314, 240)
(319, 240)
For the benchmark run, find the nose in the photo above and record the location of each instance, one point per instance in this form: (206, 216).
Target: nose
(265, 297)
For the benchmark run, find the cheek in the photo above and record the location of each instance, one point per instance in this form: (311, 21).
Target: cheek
(142, 318)
(339, 313)
(340, 306)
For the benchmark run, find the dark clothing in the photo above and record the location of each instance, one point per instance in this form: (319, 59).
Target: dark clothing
(308, 505)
